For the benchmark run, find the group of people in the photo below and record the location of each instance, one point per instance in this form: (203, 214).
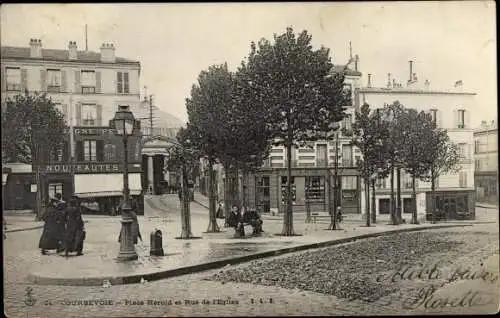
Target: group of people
(64, 227)
(237, 220)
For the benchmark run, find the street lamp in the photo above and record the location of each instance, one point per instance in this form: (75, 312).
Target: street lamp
(123, 125)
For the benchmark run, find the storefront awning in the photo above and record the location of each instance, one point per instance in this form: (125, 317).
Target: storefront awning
(105, 185)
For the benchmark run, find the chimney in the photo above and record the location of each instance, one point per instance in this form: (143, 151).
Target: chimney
(36, 48)
(411, 72)
(107, 53)
(394, 84)
(459, 85)
(369, 80)
(356, 62)
(388, 80)
(427, 84)
(72, 50)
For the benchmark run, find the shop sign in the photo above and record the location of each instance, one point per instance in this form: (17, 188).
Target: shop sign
(94, 131)
(82, 168)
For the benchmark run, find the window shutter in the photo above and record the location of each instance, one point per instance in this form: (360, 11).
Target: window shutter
(24, 79)
(100, 150)
(43, 80)
(65, 112)
(78, 87)
(63, 81)
(455, 119)
(125, 83)
(78, 114)
(439, 123)
(3, 79)
(98, 82)
(466, 119)
(99, 114)
(79, 151)
(119, 82)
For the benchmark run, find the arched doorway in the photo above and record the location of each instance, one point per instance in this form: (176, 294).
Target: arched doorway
(156, 179)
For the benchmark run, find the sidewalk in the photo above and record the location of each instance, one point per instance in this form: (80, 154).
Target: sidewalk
(213, 250)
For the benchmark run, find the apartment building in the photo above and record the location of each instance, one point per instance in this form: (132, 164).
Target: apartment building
(486, 162)
(87, 87)
(451, 109)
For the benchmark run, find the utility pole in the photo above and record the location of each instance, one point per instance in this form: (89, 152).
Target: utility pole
(151, 114)
(333, 224)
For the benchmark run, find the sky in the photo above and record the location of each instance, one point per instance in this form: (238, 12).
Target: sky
(448, 41)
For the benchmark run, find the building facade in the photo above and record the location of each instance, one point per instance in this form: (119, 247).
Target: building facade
(87, 87)
(451, 110)
(486, 162)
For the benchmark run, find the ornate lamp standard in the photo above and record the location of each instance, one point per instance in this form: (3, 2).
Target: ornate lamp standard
(123, 125)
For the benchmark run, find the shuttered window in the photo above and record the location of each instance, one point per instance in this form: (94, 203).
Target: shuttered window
(122, 83)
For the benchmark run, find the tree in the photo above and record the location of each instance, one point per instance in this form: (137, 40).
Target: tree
(33, 130)
(184, 158)
(290, 82)
(443, 157)
(206, 108)
(392, 153)
(370, 136)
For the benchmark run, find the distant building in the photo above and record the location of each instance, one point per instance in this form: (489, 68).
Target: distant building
(87, 87)
(451, 109)
(486, 162)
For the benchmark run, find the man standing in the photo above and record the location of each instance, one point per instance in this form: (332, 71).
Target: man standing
(75, 232)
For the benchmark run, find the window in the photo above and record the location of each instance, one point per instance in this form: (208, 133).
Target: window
(90, 150)
(461, 118)
(262, 194)
(434, 115)
(320, 155)
(407, 181)
(315, 189)
(13, 79)
(463, 151)
(349, 182)
(276, 150)
(89, 115)
(347, 155)
(88, 82)
(54, 81)
(110, 152)
(381, 183)
(347, 90)
(122, 83)
(462, 179)
(55, 188)
(347, 123)
(477, 145)
(276, 158)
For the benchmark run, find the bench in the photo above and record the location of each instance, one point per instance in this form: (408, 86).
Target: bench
(251, 218)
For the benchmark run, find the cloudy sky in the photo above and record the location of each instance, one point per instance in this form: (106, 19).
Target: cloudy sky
(448, 41)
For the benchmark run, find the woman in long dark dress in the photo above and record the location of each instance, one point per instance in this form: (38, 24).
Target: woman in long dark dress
(50, 239)
(75, 232)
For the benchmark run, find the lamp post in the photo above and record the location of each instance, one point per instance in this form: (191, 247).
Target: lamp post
(5, 175)
(333, 212)
(123, 125)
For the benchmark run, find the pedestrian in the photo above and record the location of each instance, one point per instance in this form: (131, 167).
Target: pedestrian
(60, 220)
(235, 221)
(339, 215)
(136, 232)
(220, 211)
(49, 240)
(75, 231)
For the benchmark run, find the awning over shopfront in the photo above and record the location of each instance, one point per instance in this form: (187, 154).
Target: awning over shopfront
(105, 185)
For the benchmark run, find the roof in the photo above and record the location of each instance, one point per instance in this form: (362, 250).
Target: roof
(15, 52)
(399, 90)
(349, 72)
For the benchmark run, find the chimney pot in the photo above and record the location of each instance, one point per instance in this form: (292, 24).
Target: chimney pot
(369, 80)
(35, 48)
(72, 50)
(108, 53)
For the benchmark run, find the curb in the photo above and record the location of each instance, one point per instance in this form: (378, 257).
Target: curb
(31, 228)
(199, 203)
(487, 206)
(136, 278)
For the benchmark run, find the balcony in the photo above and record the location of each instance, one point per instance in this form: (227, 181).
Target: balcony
(88, 89)
(53, 89)
(13, 87)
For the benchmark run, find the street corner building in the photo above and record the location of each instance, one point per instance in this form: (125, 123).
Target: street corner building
(87, 87)
(486, 162)
(451, 110)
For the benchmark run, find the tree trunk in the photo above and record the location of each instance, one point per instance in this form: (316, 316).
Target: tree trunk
(308, 211)
(433, 198)
(367, 201)
(212, 224)
(227, 200)
(414, 197)
(288, 216)
(243, 190)
(399, 210)
(185, 207)
(374, 205)
(392, 202)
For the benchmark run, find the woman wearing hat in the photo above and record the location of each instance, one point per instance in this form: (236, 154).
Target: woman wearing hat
(75, 232)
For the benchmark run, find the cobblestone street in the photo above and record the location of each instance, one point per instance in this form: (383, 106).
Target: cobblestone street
(195, 295)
